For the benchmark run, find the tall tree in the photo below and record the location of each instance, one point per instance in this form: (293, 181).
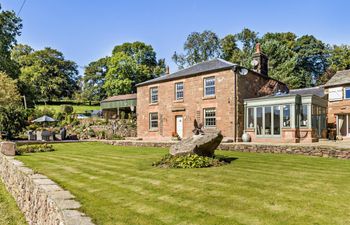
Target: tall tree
(46, 74)
(312, 58)
(10, 26)
(94, 79)
(130, 64)
(198, 47)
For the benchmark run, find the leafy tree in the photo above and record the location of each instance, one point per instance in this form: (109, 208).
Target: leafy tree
(130, 64)
(12, 120)
(94, 79)
(339, 59)
(10, 26)
(120, 77)
(46, 74)
(230, 48)
(198, 47)
(312, 58)
(9, 94)
(12, 115)
(282, 62)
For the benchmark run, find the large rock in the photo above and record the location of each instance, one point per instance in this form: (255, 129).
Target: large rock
(8, 148)
(201, 144)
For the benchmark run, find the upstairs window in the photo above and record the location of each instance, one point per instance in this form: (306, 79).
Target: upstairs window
(209, 86)
(347, 93)
(153, 121)
(210, 117)
(335, 94)
(154, 95)
(179, 91)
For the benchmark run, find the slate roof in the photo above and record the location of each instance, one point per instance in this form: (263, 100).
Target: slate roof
(319, 91)
(120, 97)
(341, 77)
(207, 66)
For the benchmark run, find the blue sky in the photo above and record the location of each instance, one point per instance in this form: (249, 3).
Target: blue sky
(87, 30)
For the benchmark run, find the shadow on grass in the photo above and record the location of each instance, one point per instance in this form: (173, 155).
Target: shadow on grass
(225, 159)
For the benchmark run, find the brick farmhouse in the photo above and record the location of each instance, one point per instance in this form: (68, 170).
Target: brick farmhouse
(225, 96)
(212, 93)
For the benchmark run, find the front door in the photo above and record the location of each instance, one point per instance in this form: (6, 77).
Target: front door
(179, 126)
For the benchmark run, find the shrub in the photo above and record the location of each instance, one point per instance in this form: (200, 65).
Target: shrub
(34, 148)
(68, 109)
(12, 120)
(187, 161)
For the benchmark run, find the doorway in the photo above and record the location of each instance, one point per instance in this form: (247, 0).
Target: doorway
(179, 126)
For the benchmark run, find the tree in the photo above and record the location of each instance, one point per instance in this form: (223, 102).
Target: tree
(46, 74)
(10, 26)
(199, 47)
(12, 114)
(312, 58)
(282, 62)
(130, 64)
(9, 94)
(94, 79)
(339, 59)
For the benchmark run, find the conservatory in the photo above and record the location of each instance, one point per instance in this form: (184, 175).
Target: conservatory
(286, 118)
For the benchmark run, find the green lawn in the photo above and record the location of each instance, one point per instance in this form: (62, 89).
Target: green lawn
(77, 108)
(118, 185)
(9, 212)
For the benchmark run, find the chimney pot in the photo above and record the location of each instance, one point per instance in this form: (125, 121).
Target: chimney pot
(257, 48)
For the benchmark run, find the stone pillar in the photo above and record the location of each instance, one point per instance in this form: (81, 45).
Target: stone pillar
(8, 148)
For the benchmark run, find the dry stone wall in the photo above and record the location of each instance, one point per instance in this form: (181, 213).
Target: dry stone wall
(298, 149)
(41, 200)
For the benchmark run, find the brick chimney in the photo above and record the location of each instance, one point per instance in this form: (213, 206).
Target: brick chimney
(167, 70)
(260, 61)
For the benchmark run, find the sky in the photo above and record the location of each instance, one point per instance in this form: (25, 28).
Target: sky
(88, 30)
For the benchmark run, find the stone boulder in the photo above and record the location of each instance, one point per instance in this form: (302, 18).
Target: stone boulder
(203, 144)
(8, 148)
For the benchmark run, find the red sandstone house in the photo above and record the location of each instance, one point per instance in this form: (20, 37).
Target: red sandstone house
(213, 93)
(222, 95)
(338, 90)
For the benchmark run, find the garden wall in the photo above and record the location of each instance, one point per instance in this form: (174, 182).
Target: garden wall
(298, 149)
(41, 200)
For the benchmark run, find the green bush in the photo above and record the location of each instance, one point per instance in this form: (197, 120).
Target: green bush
(12, 120)
(68, 109)
(34, 148)
(187, 161)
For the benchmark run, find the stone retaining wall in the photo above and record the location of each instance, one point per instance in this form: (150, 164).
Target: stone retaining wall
(298, 149)
(309, 150)
(41, 200)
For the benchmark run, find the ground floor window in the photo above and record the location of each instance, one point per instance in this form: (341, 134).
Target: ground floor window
(268, 120)
(153, 121)
(286, 115)
(250, 118)
(210, 117)
(276, 120)
(304, 116)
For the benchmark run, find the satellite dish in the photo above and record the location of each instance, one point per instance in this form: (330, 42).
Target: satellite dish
(243, 71)
(254, 62)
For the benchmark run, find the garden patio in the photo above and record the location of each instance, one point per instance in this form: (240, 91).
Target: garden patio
(118, 185)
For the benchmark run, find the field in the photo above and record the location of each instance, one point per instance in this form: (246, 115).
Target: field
(118, 185)
(77, 108)
(9, 212)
